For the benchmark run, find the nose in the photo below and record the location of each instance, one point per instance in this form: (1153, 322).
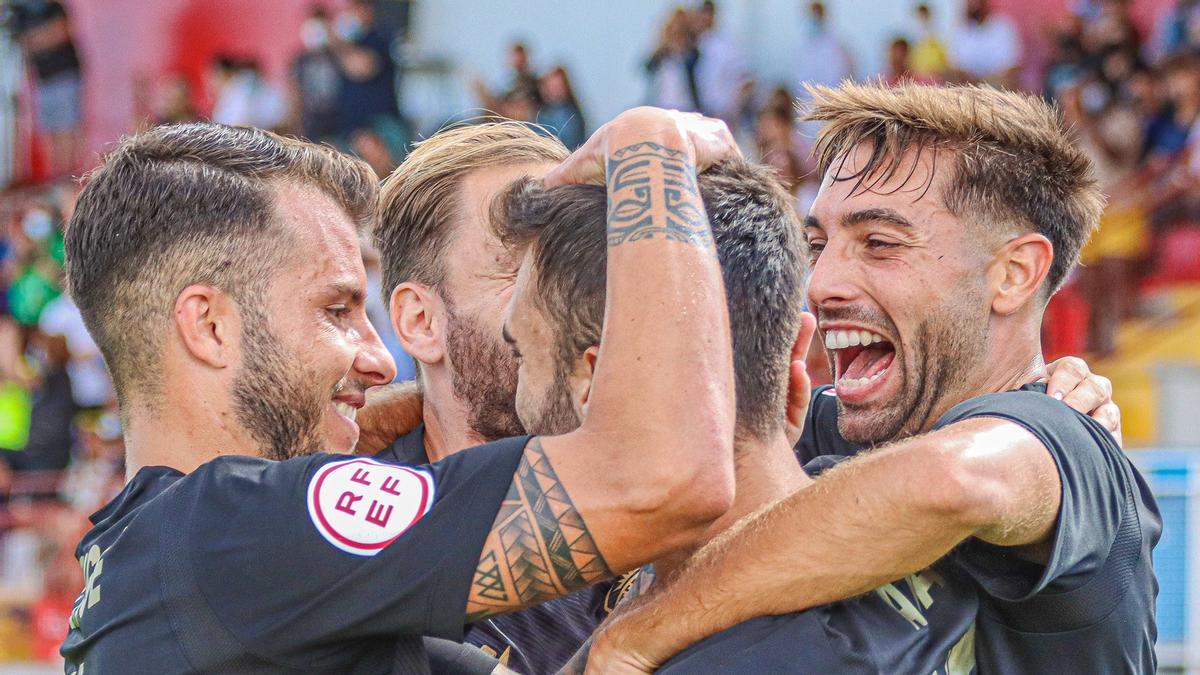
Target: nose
(832, 278)
(373, 363)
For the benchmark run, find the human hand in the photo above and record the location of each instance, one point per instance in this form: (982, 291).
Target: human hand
(707, 141)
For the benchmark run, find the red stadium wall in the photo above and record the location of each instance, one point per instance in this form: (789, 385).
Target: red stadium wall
(130, 45)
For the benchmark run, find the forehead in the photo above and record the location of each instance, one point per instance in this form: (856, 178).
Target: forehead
(473, 250)
(914, 189)
(324, 241)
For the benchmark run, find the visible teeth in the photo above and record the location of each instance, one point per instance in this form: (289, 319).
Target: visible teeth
(345, 409)
(841, 339)
(855, 382)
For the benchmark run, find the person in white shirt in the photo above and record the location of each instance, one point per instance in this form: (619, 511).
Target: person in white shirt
(823, 58)
(722, 77)
(986, 47)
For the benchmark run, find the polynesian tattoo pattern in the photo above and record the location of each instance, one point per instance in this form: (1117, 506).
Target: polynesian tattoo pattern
(652, 191)
(539, 547)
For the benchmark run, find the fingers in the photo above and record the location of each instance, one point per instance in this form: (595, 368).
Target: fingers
(709, 140)
(799, 382)
(1109, 415)
(1065, 374)
(1093, 392)
(585, 165)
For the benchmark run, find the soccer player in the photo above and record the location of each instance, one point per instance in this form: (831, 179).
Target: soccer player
(946, 219)
(218, 270)
(554, 324)
(447, 280)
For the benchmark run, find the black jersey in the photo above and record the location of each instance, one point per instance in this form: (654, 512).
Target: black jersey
(1090, 609)
(318, 564)
(536, 640)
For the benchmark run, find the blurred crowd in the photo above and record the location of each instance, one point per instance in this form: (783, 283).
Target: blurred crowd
(1133, 98)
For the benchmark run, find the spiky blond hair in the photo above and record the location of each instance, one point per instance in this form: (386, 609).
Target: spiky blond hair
(1013, 161)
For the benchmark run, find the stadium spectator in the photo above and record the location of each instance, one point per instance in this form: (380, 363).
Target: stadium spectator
(986, 46)
(315, 79)
(722, 76)
(43, 29)
(522, 83)
(242, 96)
(899, 68)
(560, 111)
(822, 57)
(671, 69)
(929, 57)
(174, 102)
(366, 95)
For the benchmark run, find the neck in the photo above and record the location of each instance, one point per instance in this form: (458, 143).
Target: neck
(766, 471)
(181, 435)
(445, 418)
(1012, 359)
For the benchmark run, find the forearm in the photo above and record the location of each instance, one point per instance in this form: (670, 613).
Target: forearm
(667, 380)
(869, 521)
(835, 539)
(661, 409)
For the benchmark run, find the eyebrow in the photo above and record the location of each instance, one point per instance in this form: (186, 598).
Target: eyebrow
(864, 216)
(353, 291)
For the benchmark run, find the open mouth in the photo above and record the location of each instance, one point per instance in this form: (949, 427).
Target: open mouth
(862, 360)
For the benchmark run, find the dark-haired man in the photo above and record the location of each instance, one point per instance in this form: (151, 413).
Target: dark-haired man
(554, 324)
(946, 219)
(219, 271)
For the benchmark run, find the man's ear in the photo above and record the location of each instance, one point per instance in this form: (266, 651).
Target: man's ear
(585, 373)
(418, 317)
(1020, 269)
(208, 325)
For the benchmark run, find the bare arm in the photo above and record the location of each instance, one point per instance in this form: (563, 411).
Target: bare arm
(651, 466)
(898, 509)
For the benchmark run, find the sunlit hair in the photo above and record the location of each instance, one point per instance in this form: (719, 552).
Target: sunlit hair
(189, 204)
(1013, 162)
(421, 199)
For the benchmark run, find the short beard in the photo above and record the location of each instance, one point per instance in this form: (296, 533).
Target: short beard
(555, 413)
(483, 377)
(273, 399)
(943, 355)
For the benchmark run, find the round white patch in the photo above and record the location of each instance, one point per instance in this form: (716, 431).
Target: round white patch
(361, 505)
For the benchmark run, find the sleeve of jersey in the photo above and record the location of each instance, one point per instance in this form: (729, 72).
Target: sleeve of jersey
(329, 549)
(1096, 514)
(821, 417)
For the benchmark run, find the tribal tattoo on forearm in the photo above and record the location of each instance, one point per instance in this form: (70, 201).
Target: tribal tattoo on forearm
(652, 191)
(539, 547)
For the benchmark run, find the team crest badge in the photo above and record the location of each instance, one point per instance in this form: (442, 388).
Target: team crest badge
(361, 505)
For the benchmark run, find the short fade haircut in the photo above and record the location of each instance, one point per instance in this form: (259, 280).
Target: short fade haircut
(1013, 160)
(189, 204)
(762, 259)
(421, 199)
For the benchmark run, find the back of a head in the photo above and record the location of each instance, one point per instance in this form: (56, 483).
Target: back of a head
(762, 260)
(188, 204)
(420, 200)
(1013, 163)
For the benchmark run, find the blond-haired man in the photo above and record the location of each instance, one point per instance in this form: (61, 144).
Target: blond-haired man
(946, 219)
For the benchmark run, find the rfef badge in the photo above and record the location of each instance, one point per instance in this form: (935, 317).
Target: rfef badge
(361, 505)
